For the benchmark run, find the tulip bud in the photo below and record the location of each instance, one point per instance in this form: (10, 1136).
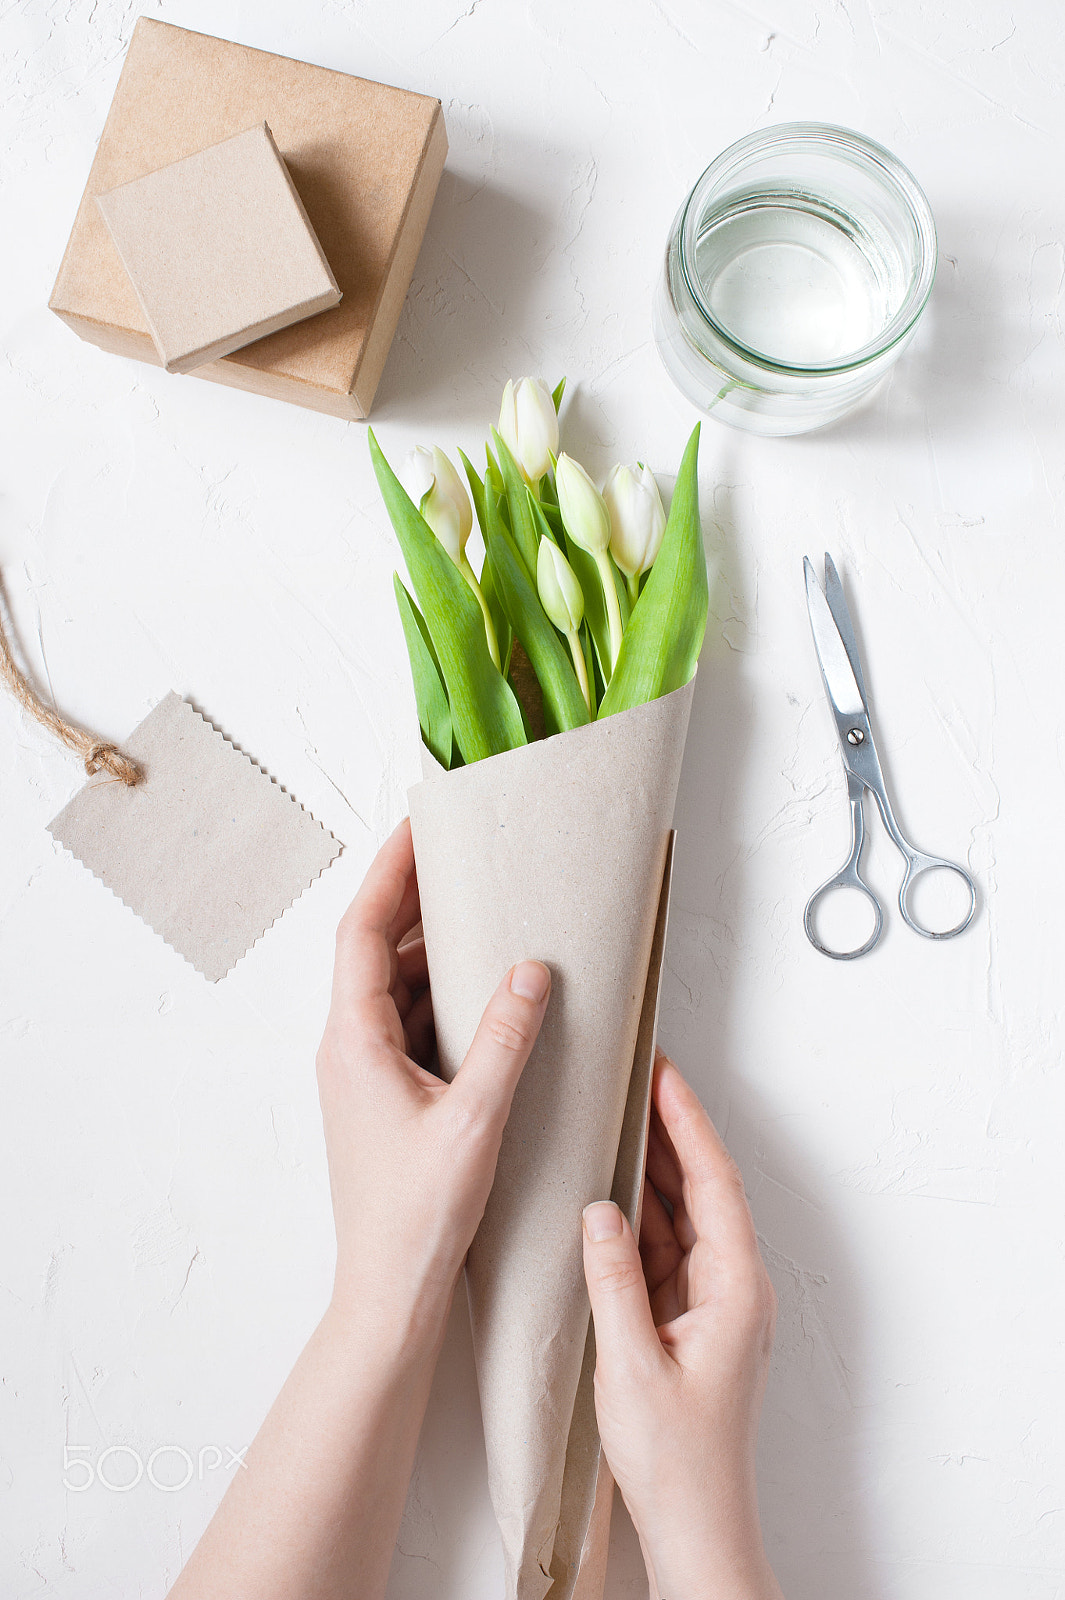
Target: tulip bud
(416, 473)
(637, 519)
(584, 512)
(439, 493)
(563, 600)
(587, 521)
(528, 424)
(560, 593)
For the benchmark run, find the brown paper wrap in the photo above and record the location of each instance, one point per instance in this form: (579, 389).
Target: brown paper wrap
(556, 851)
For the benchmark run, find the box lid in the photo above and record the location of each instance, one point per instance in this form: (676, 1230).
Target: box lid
(219, 249)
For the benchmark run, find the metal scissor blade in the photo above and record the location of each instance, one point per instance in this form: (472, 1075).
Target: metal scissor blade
(841, 616)
(841, 683)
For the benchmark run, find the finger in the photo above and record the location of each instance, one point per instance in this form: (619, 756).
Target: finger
(386, 900)
(661, 1147)
(411, 977)
(656, 1226)
(484, 1085)
(402, 998)
(713, 1191)
(662, 1166)
(669, 1301)
(420, 1030)
(664, 1172)
(408, 916)
(624, 1328)
(413, 964)
(659, 1251)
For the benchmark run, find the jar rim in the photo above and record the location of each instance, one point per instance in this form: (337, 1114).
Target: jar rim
(871, 157)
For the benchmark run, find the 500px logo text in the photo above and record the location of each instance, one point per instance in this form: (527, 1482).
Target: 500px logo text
(170, 1467)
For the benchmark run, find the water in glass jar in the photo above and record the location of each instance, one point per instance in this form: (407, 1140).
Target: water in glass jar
(794, 279)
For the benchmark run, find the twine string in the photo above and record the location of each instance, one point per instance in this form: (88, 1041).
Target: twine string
(97, 755)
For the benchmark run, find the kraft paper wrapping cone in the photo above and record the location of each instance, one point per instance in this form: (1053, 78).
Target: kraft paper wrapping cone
(582, 1544)
(554, 851)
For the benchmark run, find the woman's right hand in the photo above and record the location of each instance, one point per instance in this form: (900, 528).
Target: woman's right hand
(683, 1339)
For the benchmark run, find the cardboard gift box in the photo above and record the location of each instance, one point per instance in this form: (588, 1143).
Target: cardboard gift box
(365, 159)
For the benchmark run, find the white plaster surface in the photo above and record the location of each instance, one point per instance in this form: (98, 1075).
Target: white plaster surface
(166, 1237)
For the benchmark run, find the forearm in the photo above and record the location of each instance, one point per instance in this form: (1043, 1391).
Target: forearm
(683, 1575)
(316, 1513)
(714, 1554)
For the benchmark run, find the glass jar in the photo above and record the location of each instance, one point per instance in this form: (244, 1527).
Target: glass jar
(795, 274)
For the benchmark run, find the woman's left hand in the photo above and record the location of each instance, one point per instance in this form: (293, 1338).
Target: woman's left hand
(411, 1161)
(411, 1158)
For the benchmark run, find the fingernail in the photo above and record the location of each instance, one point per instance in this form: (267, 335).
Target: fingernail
(602, 1221)
(530, 979)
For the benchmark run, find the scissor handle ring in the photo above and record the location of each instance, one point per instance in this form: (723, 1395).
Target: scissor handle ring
(847, 879)
(917, 866)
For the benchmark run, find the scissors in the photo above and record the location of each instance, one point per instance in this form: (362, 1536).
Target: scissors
(844, 681)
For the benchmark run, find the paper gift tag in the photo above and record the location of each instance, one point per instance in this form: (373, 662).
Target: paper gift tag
(207, 849)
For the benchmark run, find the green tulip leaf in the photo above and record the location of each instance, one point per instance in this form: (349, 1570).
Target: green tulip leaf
(591, 666)
(434, 713)
(660, 646)
(552, 517)
(556, 394)
(500, 620)
(493, 478)
(564, 705)
(484, 713)
(504, 636)
(476, 491)
(544, 525)
(521, 523)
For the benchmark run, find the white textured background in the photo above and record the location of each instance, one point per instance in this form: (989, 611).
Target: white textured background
(166, 1240)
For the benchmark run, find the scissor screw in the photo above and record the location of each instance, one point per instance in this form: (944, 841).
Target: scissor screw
(856, 736)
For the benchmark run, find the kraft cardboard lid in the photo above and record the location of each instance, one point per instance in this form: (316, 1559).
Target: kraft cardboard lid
(219, 249)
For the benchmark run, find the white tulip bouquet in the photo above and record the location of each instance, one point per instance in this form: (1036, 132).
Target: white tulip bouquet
(553, 692)
(603, 596)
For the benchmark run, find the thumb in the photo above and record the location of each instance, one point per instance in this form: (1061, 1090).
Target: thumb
(624, 1327)
(506, 1033)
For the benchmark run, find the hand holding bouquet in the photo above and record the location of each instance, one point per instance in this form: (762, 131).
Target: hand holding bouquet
(553, 690)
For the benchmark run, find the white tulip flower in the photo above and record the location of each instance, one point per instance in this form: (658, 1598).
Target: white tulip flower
(416, 474)
(528, 424)
(560, 594)
(587, 522)
(583, 508)
(563, 600)
(440, 495)
(637, 521)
